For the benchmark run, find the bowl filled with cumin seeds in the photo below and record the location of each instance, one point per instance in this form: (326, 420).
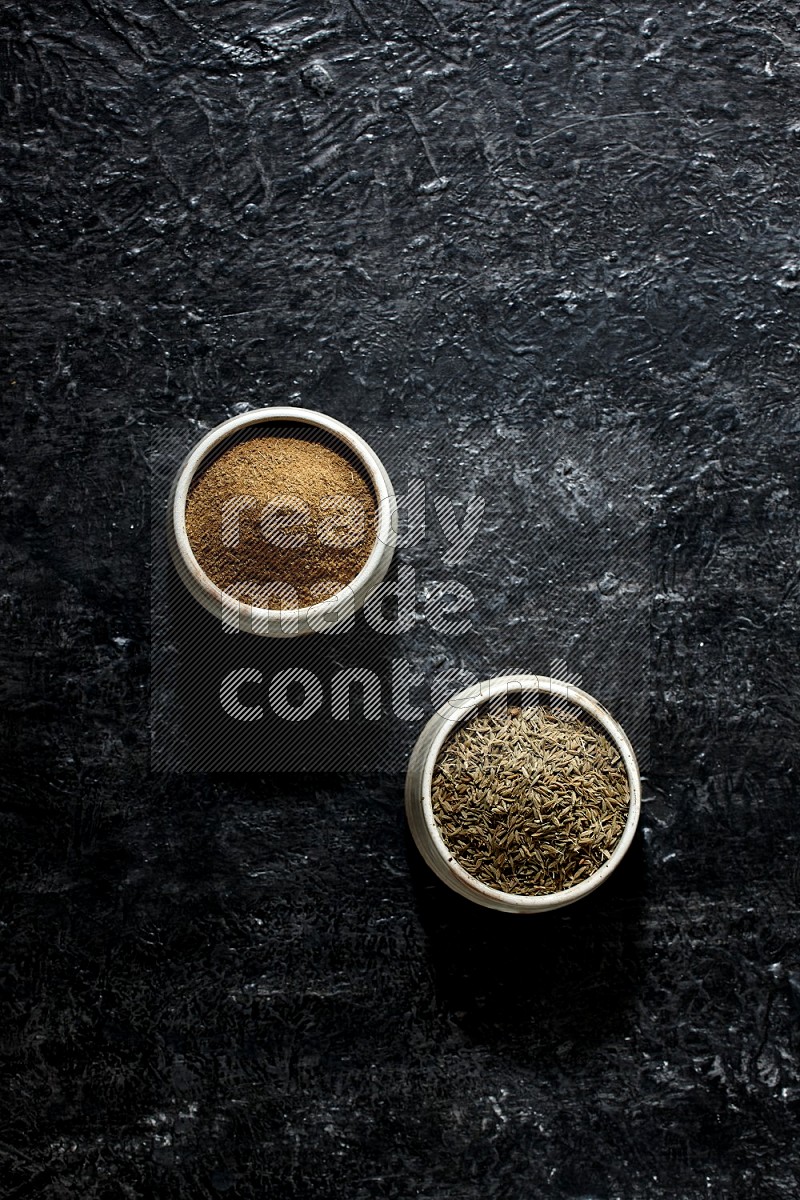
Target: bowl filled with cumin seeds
(523, 793)
(282, 521)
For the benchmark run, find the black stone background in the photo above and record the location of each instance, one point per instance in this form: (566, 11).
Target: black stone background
(249, 985)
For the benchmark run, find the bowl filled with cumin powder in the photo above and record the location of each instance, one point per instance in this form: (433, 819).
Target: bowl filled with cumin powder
(282, 521)
(523, 793)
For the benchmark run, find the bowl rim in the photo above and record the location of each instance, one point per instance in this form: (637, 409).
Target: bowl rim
(458, 709)
(385, 534)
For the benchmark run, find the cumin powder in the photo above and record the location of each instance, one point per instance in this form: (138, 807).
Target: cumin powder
(281, 521)
(532, 801)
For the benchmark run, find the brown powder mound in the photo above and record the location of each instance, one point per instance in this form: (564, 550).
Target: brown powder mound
(281, 522)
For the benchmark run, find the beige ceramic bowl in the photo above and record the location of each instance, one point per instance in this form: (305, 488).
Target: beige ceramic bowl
(419, 778)
(315, 618)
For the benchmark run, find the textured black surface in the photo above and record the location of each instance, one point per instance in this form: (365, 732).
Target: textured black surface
(468, 215)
